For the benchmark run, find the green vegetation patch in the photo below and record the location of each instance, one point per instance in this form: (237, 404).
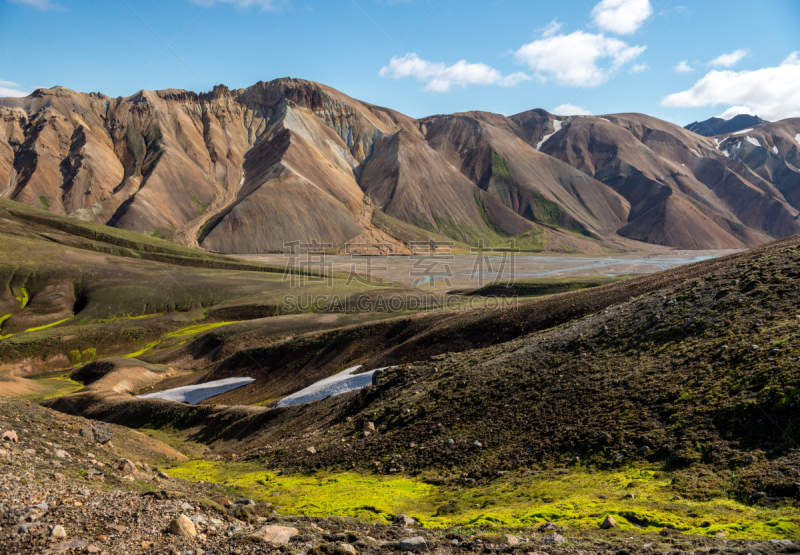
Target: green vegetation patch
(501, 169)
(545, 211)
(24, 297)
(183, 332)
(44, 203)
(576, 498)
(366, 497)
(58, 386)
(49, 325)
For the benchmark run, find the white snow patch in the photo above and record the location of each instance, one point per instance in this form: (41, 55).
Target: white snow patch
(343, 382)
(604, 119)
(742, 132)
(753, 141)
(694, 152)
(775, 149)
(726, 153)
(556, 126)
(797, 138)
(194, 394)
(684, 165)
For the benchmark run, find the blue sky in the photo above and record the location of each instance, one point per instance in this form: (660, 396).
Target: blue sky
(680, 60)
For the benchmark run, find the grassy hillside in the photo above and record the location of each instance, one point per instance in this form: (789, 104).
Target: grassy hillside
(75, 291)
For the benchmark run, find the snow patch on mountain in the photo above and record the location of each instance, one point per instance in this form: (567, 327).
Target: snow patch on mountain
(194, 394)
(557, 127)
(343, 382)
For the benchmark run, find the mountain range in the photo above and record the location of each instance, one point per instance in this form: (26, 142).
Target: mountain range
(244, 171)
(719, 126)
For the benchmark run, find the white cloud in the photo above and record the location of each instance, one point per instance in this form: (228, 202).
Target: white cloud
(440, 77)
(773, 92)
(9, 88)
(573, 59)
(571, 110)
(638, 68)
(261, 4)
(552, 28)
(729, 60)
(39, 4)
(622, 17)
(683, 67)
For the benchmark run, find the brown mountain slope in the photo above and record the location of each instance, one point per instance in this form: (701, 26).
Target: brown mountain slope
(247, 170)
(486, 149)
(771, 150)
(678, 184)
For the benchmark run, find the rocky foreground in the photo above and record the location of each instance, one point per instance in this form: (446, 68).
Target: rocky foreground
(71, 485)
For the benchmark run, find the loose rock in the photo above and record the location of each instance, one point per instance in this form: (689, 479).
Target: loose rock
(609, 523)
(404, 521)
(553, 539)
(127, 466)
(58, 532)
(277, 535)
(416, 544)
(183, 527)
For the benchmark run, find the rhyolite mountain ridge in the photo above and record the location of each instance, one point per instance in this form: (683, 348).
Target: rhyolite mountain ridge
(720, 126)
(245, 171)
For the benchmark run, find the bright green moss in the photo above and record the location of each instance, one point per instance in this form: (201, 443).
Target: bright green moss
(24, 298)
(572, 500)
(191, 330)
(49, 325)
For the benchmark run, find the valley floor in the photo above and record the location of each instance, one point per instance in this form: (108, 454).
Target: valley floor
(460, 271)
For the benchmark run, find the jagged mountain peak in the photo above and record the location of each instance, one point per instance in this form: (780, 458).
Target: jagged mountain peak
(211, 168)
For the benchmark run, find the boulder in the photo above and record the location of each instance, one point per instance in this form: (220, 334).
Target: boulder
(102, 433)
(58, 532)
(404, 521)
(346, 548)
(609, 523)
(416, 544)
(88, 433)
(183, 527)
(11, 436)
(553, 539)
(127, 466)
(277, 535)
